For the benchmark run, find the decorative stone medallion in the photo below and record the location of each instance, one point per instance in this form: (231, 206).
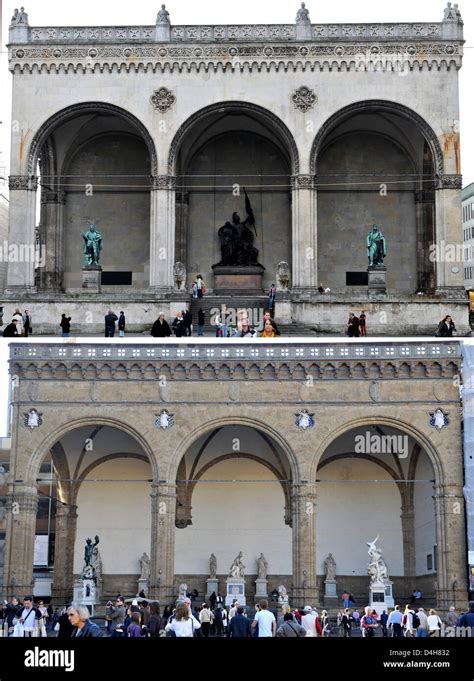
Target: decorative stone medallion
(163, 99)
(304, 98)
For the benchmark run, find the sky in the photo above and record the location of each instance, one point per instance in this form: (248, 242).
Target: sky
(143, 12)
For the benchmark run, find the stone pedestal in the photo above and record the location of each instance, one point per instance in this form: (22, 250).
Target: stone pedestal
(261, 590)
(235, 280)
(377, 280)
(381, 597)
(235, 590)
(330, 589)
(143, 586)
(91, 278)
(85, 593)
(212, 586)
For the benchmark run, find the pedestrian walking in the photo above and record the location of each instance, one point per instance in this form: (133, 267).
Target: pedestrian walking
(11, 330)
(271, 298)
(353, 326)
(201, 322)
(362, 323)
(27, 328)
(161, 328)
(19, 318)
(446, 327)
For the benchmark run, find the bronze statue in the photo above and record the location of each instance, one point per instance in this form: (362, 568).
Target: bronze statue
(376, 247)
(92, 246)
(237, 249)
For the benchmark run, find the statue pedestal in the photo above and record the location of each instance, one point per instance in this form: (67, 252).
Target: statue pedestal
(330, 589)
(381, 596)
(212, 586)
(377, 285)
(143, 586)
(85, 593)
(235, 590)
(92, 278)
(261, 590)
(233, 280)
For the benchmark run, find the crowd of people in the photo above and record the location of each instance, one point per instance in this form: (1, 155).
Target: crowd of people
(138, 618)
(183, 324)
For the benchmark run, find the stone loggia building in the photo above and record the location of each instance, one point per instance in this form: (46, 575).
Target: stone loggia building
(152, 131)
(183, 450)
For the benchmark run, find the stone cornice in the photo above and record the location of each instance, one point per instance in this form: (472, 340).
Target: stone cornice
(246, 33)
(288, 361)
(346, 56)
(446, 181)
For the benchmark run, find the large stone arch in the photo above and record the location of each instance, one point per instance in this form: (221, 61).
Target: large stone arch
(365, 421)
(208, 426)
(249, 108)
(62, 116)
(52, 438)
(385, 106)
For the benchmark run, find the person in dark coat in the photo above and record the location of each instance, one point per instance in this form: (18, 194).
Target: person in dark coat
(161, 328)
(65, 324)
(155, 623)
(110, 320)
(121, 325)
(65, 626)
(188, 322)
(239, 626)
(12, 610)
(353, 326)
(467, 620)
(27, 328)
(11, 330)
(201, 322)
(212, 600)
(446, 327)
(178, 325)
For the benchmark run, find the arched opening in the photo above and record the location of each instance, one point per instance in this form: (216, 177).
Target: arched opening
(376, 163)
(234, 477)
(95, 480)
(215, 154)
(95, 165)
(377, 481)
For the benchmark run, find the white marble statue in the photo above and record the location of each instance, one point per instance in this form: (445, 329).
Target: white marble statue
(237, 569)
(377, 569)
(282, 594)
(212, 567)
(183, 590)
(163, 16)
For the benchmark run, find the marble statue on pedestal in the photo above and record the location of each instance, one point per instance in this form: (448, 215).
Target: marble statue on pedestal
(262, 567)
(377, 568)
(145, 566)
(212, 566)
(330, 567)
(237, 569)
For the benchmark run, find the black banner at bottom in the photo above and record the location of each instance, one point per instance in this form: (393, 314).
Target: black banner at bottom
(24, 658)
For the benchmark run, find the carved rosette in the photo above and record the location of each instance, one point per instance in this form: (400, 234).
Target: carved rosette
(304, 98)
(163, 99)
(23, 182)
(163, 182)
(302, 182)
(449, 182)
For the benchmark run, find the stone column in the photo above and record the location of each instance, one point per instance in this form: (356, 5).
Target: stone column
(63, 577)
(424, 206)
(449, 282)
(451, 538)
(408, 537)
(163, 515)
(304, 275)
(303, 499)
(162, 233)
(22, 241)
(22, 506)
(52, 241)
(181, 236)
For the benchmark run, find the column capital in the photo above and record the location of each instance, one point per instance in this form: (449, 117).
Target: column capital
(53, 197)
(447, 181)
(163, 182)
(303, 181)
(23, 182)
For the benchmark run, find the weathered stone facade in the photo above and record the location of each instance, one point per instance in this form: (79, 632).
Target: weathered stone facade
(113, 394)
(357, 110)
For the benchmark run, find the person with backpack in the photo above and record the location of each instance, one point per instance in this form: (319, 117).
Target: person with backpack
(290, 628)
(368, 623)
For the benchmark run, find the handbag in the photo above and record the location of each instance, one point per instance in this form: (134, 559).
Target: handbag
(56, 626)
(18, 630)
